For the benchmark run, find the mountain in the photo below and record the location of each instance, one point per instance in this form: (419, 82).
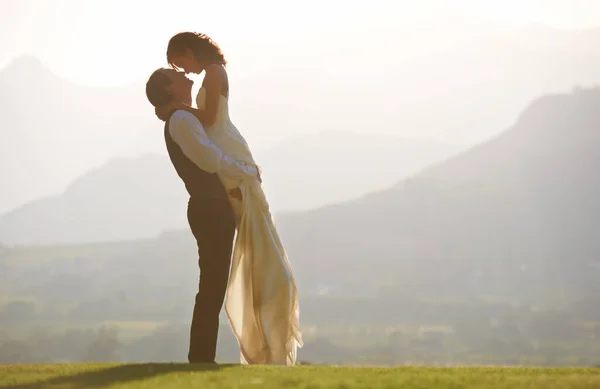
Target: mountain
(516, 218)
(126, 198)
(138, 197)
(458, 87)
(334, 166)
(53, 130)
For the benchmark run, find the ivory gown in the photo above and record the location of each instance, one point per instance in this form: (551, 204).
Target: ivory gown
(261, 301)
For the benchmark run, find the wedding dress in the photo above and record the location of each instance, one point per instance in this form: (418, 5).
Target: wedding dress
(261, 301)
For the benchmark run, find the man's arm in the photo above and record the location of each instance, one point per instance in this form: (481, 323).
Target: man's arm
(189, 134)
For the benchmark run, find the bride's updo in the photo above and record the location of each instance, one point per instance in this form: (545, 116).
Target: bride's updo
(202, 47)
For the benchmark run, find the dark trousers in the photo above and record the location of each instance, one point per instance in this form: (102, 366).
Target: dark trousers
(213, 226)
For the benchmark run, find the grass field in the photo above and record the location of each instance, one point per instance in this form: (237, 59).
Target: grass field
(155, 376)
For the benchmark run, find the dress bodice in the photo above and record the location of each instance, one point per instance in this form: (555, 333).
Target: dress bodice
(223, 133)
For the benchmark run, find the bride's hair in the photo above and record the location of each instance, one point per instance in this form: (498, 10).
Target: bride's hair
(202, 47)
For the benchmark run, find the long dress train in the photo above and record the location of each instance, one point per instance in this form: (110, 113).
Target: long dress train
(262, 300)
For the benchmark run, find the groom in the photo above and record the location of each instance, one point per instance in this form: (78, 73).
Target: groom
(197, 161)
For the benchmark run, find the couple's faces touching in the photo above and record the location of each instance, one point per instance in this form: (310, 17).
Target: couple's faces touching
(187, 62)
(180, 86)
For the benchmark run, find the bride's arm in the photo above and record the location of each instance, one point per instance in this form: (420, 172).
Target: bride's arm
(212, 84)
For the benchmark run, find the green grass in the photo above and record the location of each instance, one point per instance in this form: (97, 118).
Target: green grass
(155, 376)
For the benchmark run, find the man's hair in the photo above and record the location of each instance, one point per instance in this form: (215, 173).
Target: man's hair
(156, 88)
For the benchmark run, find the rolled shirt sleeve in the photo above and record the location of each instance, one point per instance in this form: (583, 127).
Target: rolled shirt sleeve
(189, 134)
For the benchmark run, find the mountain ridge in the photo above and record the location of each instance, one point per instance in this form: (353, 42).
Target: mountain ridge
(286, 170)
(512, 220)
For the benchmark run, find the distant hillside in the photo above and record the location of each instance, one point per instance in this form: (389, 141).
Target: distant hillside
(53, 130)
(124, 199)
(334, 166)
(132, 198)
(516, 217)
(513, 220)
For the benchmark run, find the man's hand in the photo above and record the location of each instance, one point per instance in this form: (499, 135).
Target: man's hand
(165, 111)
(235, 193)
(258, 169)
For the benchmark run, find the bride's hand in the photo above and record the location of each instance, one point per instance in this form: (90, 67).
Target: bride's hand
(165, 111)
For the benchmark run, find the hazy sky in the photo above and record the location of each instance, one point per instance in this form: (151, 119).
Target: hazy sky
(119, 41)
(419, 69)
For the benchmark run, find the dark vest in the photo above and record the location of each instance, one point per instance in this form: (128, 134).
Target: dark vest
(203, 187)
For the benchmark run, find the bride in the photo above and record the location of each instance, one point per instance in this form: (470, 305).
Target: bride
(261, 301)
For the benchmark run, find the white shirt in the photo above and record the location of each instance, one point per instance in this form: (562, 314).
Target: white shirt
(189, 134)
